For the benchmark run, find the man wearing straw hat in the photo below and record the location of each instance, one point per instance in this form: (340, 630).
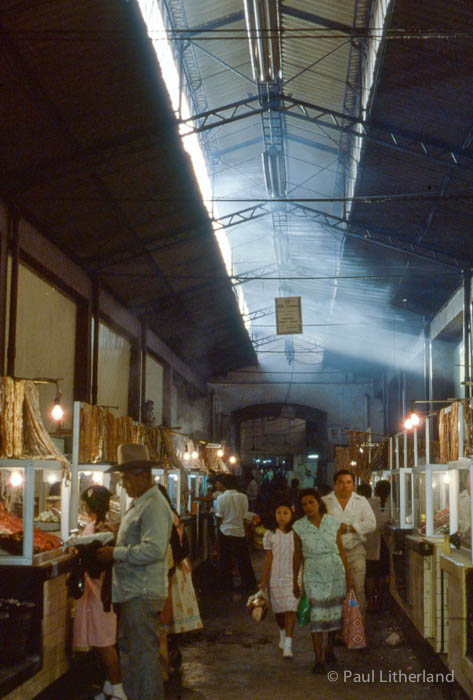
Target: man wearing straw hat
(140, 574)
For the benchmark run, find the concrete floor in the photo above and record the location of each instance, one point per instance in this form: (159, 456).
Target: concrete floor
(237, 659)
(234, 658)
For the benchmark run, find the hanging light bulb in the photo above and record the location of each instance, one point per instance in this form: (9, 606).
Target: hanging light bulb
(415, 419)
(353, 463)
(220, 453)
(57, 412)
(232, 459)
(408, 424)
(16, 479)
(187, 455)
(194, 454)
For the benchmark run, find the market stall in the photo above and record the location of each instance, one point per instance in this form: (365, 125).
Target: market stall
(34, 521)
(457, 570)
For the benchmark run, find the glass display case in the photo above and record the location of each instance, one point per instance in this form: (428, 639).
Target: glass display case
(431, 499)
(460, 472)
(174, 488)
(171, 480)
(402, 498)
(34, 510)
(197, 485)
(396, 497)
(85, 475)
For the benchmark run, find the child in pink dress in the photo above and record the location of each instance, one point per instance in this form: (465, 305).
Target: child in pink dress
(278, 570)
(93, 627)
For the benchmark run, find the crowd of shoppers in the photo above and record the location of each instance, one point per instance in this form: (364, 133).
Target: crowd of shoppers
(322, 545)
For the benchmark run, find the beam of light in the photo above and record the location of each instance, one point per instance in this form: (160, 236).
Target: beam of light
(158, 36)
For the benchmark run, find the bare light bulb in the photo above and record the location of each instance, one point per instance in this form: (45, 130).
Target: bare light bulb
(232, 459)
(220, 453)
(58, 412)
(408, 424)
(97, 478)
(16, 479)
(415, 419)
(195, 454)
(186, 456)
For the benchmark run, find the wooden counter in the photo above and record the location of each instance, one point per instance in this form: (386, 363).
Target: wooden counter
(45, 585)
(458, 568)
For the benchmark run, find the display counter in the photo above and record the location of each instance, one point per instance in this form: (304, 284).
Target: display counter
(395, 538)
(34, 510)
(427, 598)
(457, 569)
(46, 651)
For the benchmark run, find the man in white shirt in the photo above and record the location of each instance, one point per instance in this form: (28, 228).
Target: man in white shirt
(357, 520)
(231, 510)
(252, 492)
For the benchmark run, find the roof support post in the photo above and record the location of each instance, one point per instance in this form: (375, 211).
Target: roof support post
(3, 296)
(95, 347)
(82, 355)
(13, 225)
(467, 340)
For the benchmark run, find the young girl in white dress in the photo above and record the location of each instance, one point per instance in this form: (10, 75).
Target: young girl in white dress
(278, 572)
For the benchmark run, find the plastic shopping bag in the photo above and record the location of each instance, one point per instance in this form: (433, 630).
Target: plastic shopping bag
(353, 631)
(303, 610)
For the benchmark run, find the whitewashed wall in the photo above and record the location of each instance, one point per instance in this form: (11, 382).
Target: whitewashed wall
(113, 370)
(45, 340)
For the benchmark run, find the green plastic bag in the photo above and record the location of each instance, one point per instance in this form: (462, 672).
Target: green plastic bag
(303, 610)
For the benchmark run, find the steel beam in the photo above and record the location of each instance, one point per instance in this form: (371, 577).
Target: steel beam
(383, 238)
(259, 342)
(399, 140)
(214, 24)
(203, 120)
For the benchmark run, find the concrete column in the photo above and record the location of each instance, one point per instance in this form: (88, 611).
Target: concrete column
(167, 394)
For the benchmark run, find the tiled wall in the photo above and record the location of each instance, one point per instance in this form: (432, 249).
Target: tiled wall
(56, 635)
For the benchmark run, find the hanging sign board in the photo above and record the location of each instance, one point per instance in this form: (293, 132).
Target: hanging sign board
(288, 315)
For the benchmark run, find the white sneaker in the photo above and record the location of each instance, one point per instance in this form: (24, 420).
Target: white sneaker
(282, 638)
(287, 653)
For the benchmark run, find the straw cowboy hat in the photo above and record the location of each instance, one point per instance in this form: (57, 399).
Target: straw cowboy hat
(132, 457)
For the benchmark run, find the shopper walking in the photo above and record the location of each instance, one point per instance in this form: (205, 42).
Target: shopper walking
(93, 627)
(278, 573)
(231, 511)
(140, 579)
(357, 519)
(318, 543)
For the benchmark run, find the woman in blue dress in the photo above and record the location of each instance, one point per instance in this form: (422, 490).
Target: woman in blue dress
(318, 544)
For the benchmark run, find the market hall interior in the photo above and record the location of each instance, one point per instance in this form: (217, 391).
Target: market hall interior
(237, 235)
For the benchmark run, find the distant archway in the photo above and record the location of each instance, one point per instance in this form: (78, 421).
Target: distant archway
(314, 439)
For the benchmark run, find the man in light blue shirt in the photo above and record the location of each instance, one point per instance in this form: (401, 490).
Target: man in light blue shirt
(140, 579)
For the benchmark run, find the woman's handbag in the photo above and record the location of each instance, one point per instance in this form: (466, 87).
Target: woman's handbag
(353, 631)
(303, 610)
